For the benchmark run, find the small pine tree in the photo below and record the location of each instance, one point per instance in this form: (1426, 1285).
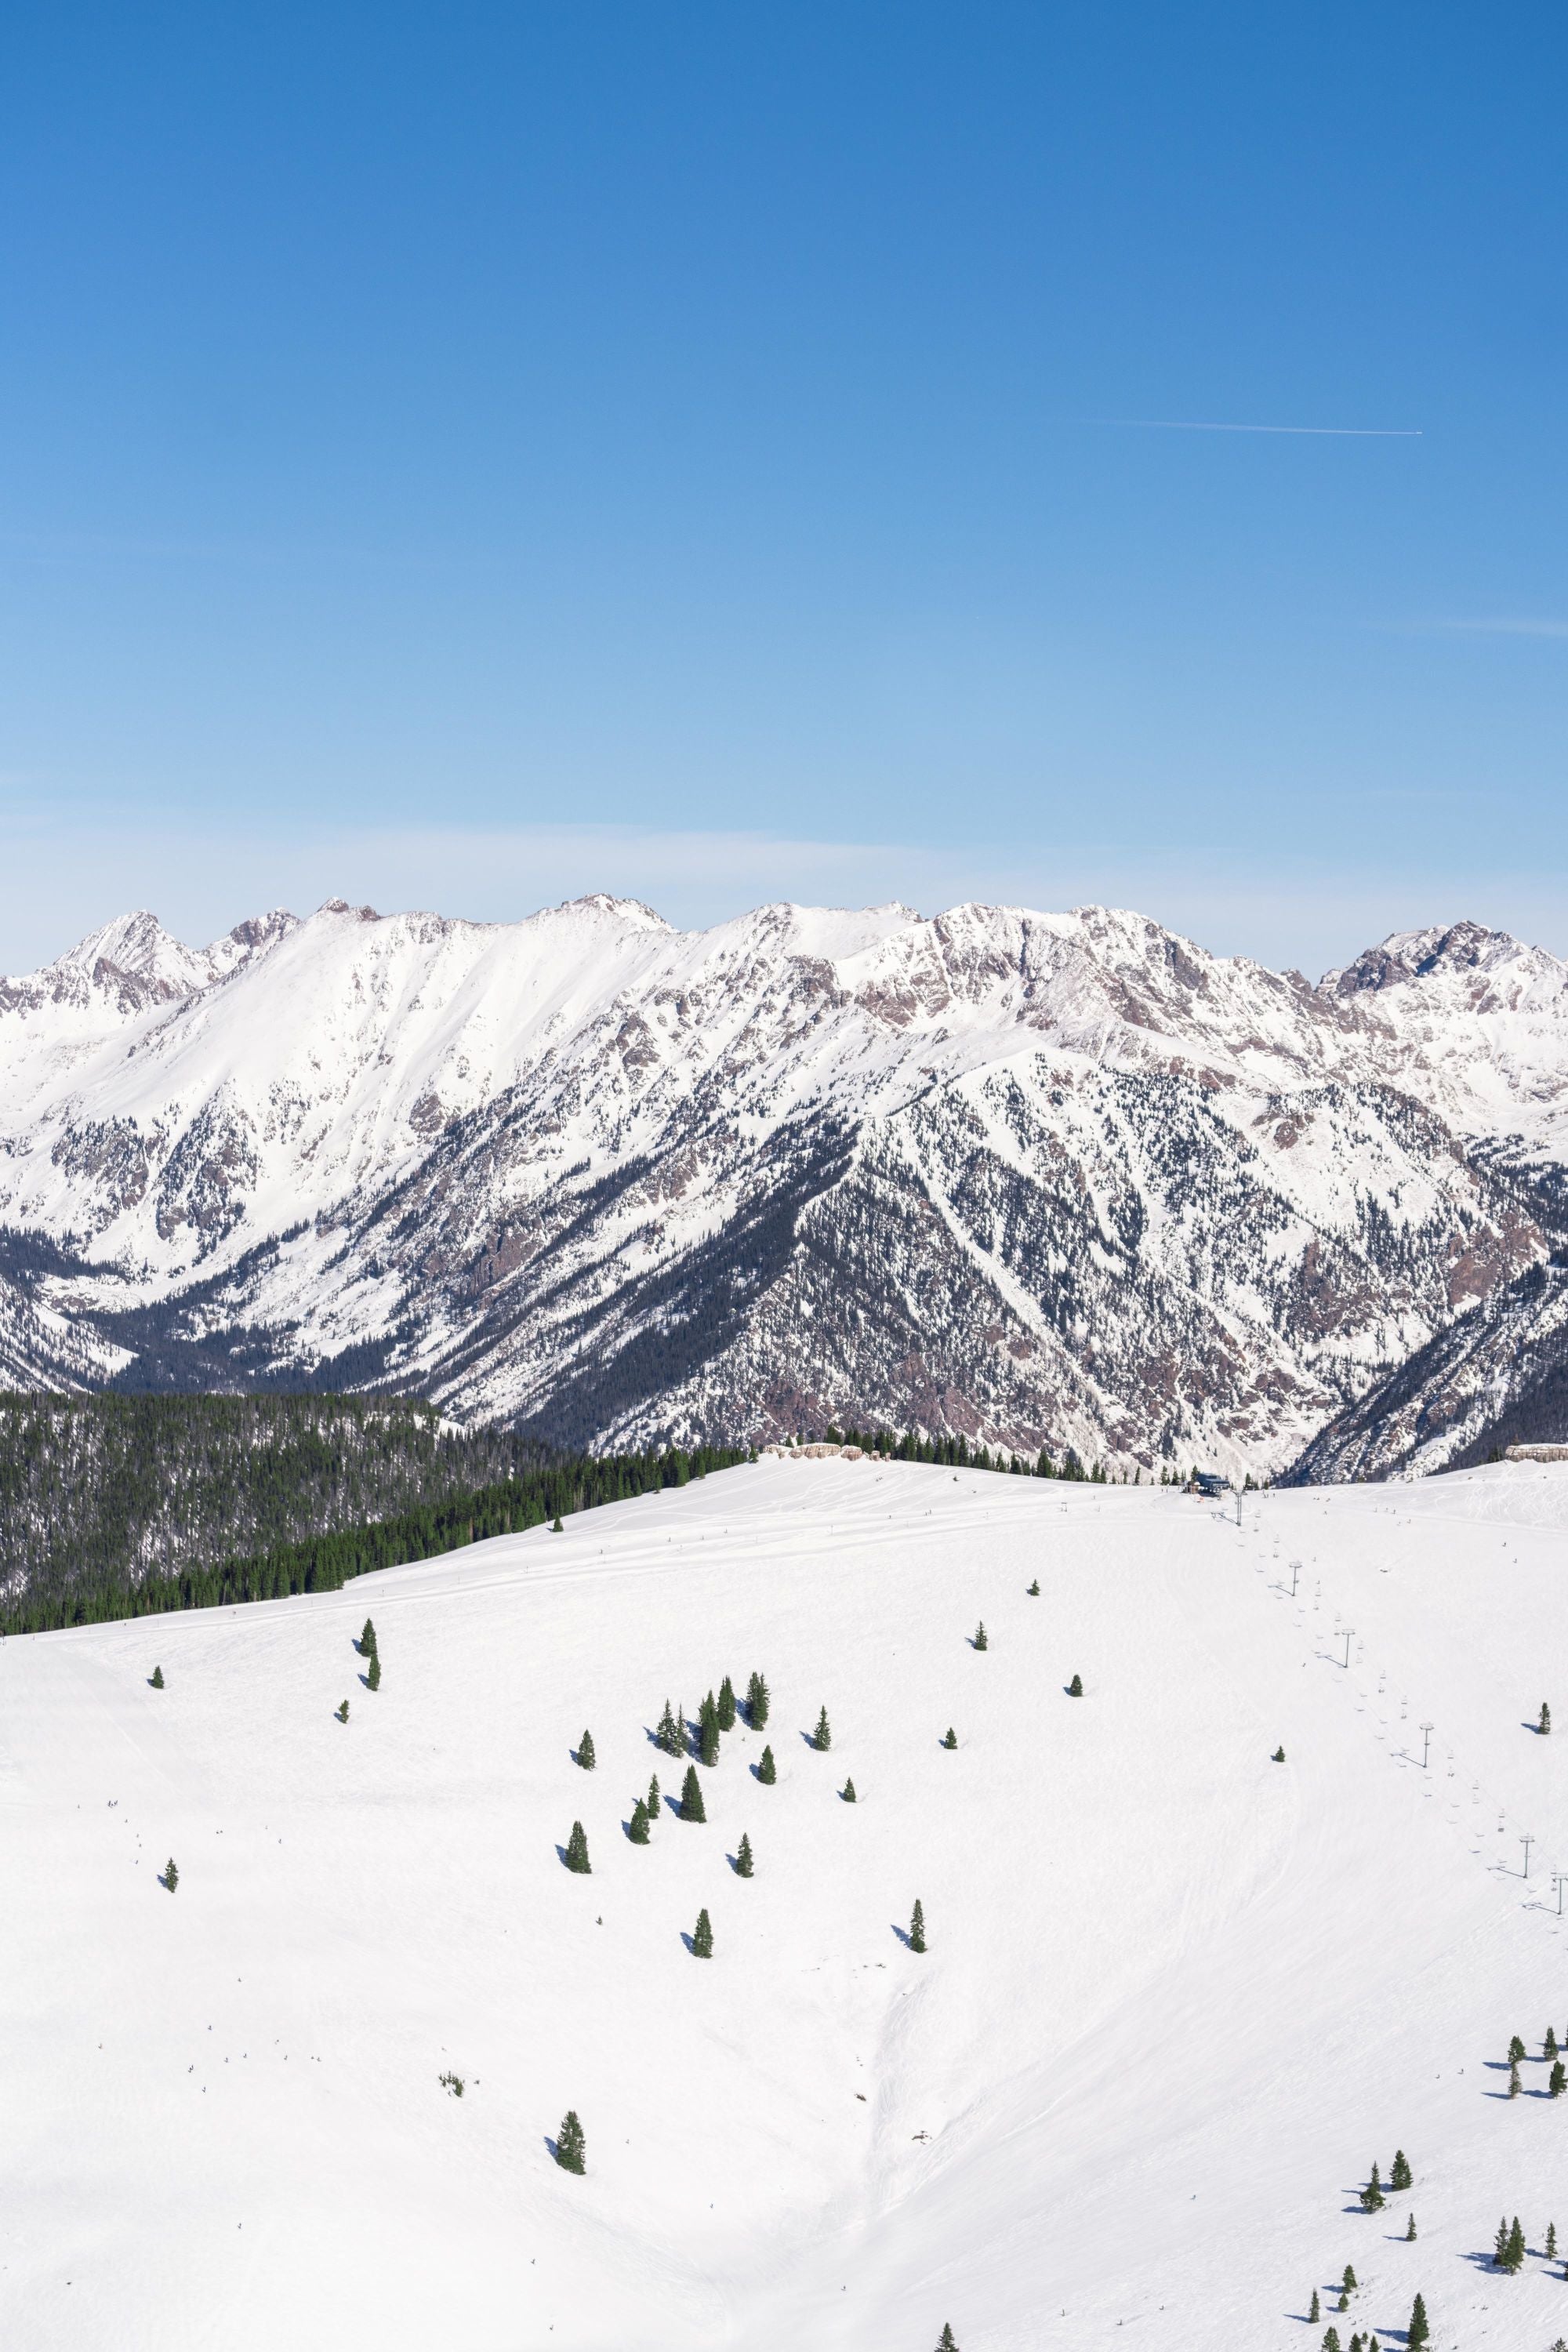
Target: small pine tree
(571, 2147)
(1417, 2333)
(947, 2341)
(916, 1928)
(702, 1937)
(157, 1678)
(373, 1674)
(757, 1703)
(555, 1526)
(822, 1736)
(1316, 2313)
(342, 1712)
(1035, 1590)
(743, 1857)
(171, 1875)
(654, 1801)
(1331, 2340)
(1348, 2281)
(585, 1756)
(1514, 2084)
(726, 1705)
(847, 1792)
(1277, 1756)
(1400, 2175)
(577, 1849)
(952, 1738)
(1545, 1722)
(1075, 1688)
(1345, 2302)
(1515, 2247)
(667, 1735)
(1372, 2195)
(693, 1808)
(708, 1734)
(637, 1828)
(367, 1640)
(1548, 2047)
(1410, 2231)
(1515, 2051)
(980, 1640)
(1499, 2245)
(767, 1771)
(1552, 2241)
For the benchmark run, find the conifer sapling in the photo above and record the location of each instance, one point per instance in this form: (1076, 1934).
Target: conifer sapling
(1545, 1724)
(1410, 2231)
(823, 1738)
(157, 1678)
(577, 1849)
(1345, 2302)
(1515, 2051)
(1277, 1756)
(947, 2341)
(654, 1801)
(708, 1731)
(743, 1857)
(372, 1672)
(171, 1875)
(1400, 2175)
(726, 1705)
(1075, 1688)
(757, 1703)
(1348, 2283)
(702, 1937)
(586, 1757)
(693, 1808)
(342, 1712)
(667, 1735)
(637, 1828)
(1419, 2333)
(1331, 2340)
(767, 1771)
(980, 1640)
(571, 2147)
(1552, 2241)
(555, 1526)
(847, 1792)
(1548, 2047)
(1316, 2312)
(1035, 1590)
(1372, 2195)
(916, 1928)
(952, 1738)
(367, 1640)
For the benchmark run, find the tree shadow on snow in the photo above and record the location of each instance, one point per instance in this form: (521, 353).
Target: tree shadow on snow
(554, 2147)
(902, 1933)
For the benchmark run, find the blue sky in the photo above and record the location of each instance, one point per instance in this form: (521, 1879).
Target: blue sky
(471, 455)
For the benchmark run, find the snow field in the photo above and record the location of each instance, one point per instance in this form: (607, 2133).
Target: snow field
(1176, 1997)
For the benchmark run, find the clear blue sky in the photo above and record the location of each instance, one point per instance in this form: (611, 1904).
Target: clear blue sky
(472, 454)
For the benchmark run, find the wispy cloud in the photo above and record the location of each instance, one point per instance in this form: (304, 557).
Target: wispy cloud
(1327, 432)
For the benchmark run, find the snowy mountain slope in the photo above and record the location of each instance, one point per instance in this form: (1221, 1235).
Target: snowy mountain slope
(1047, 1179)
(1176, 1997)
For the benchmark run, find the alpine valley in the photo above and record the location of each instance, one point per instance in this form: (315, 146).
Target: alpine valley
(1052, 1181)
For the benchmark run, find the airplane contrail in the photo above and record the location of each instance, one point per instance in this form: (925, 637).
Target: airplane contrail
(1333, 432)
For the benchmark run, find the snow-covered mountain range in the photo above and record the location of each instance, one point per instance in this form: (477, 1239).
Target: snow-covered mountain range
(1059, 1179)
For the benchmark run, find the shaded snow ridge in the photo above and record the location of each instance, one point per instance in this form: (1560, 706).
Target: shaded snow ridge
(1047, 1180)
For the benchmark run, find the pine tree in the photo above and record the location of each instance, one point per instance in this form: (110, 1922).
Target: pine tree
(157, 1678)
(1035, 1590)
(1331, 2340)
(952, 1739)
(1348, 2281)
(980, 1640)
(1400, 2175)
(171, 1875)
(342, 1712)
(916, 1928)
(654, 1801)
(1417, 2333)
(1548, 2047)
(1075, 1688)
(1316, 2313)
(577, 1849)
(637, 1828)
(726, 1705)
(708, 1730)
(767, 1771)
(373, 1674)
(702, 1937)
(847, 1792)
(585, 1756)
(947, 2341)
(367, 1640)
(1545, 1722)
(743, 1857)
(1410, 2231)
(1515, 2051)
(693, 1808)
(1345, 2302)
(1515, 2247)
(571, 2148)
(555, 1526)
(822, 1738)
(757, 1703)
(1499, 2245)
(1552, 2241)
(1277, 1756)
(667, 1735)
(1372, 2195)
(1514, 2084)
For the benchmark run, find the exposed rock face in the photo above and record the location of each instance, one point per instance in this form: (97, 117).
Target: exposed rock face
(1059, 1179)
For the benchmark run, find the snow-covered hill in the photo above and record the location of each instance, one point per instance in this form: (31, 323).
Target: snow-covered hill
(1176, 1999)
(1050, 1180)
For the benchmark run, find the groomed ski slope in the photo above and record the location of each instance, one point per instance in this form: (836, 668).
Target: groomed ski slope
(1177, 1997)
